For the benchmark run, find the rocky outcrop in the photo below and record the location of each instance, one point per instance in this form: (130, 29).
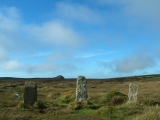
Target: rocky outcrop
(60, 77)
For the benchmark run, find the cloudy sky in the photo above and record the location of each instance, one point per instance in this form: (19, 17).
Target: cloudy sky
(94, 38)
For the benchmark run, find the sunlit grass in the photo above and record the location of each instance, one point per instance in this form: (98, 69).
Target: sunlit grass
(59, 101)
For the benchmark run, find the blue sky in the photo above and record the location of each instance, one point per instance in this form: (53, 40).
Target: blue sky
(94, 38)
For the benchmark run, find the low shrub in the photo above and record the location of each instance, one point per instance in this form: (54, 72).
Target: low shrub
(54, 95)
(36, 105)
(149, 114)
(21, 106)
(95, 99)
(49, 104)
(120, 112)
(68, 92)
(78, 105)
(1, 90)
(114, 98)
(39, 105)
(75, 105)
(150, 102)
(117, 100)
(65, 99)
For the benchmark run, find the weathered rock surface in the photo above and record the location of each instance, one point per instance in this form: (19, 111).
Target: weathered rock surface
(133, 92)
(81, 90)
(30, 93)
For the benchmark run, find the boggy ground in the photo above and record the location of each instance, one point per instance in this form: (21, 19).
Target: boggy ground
(57, 100)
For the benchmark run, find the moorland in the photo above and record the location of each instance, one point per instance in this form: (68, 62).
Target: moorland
(107, 99)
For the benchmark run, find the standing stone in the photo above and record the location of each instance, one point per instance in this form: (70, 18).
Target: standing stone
(30, 93)
(81, 90)
(133, 91)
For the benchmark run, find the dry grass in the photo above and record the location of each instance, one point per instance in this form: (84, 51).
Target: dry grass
(51, 90)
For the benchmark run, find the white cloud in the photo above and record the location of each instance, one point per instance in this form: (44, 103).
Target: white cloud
(19, 38)
(132, 63)
(89, 55)
(135, 11)
(79, 12)
(58, 55)
(109, 2)
(41, 68)
(39, 54)
(143, 59)
(22, 41)
(13, 65)
(14, 33)
(144, 8)
(9, 18)
(144, 12)
(56, 33)
(3, 55)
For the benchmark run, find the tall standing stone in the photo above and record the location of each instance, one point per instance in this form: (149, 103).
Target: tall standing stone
(30, 93)
(81, 90)
(133, 92)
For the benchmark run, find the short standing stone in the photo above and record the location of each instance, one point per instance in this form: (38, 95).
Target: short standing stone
(30, 93)
(133, 92)
(81, 90)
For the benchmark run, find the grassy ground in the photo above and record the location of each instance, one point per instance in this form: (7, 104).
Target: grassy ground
(58, 100)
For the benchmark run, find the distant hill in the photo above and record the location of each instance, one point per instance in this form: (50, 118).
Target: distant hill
(9, 78)
(127, 78)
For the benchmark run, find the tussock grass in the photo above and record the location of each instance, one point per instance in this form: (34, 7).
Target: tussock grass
(120, 112)
(150, 113)
(106, 101)
(114, 98)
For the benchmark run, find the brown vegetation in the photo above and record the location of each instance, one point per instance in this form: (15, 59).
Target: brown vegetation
(56, 100)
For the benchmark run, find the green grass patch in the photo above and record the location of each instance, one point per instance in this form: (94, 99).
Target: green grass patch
(149, 114)
(120, 112)
(53, 95)
(150, 101)
(84, 111)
